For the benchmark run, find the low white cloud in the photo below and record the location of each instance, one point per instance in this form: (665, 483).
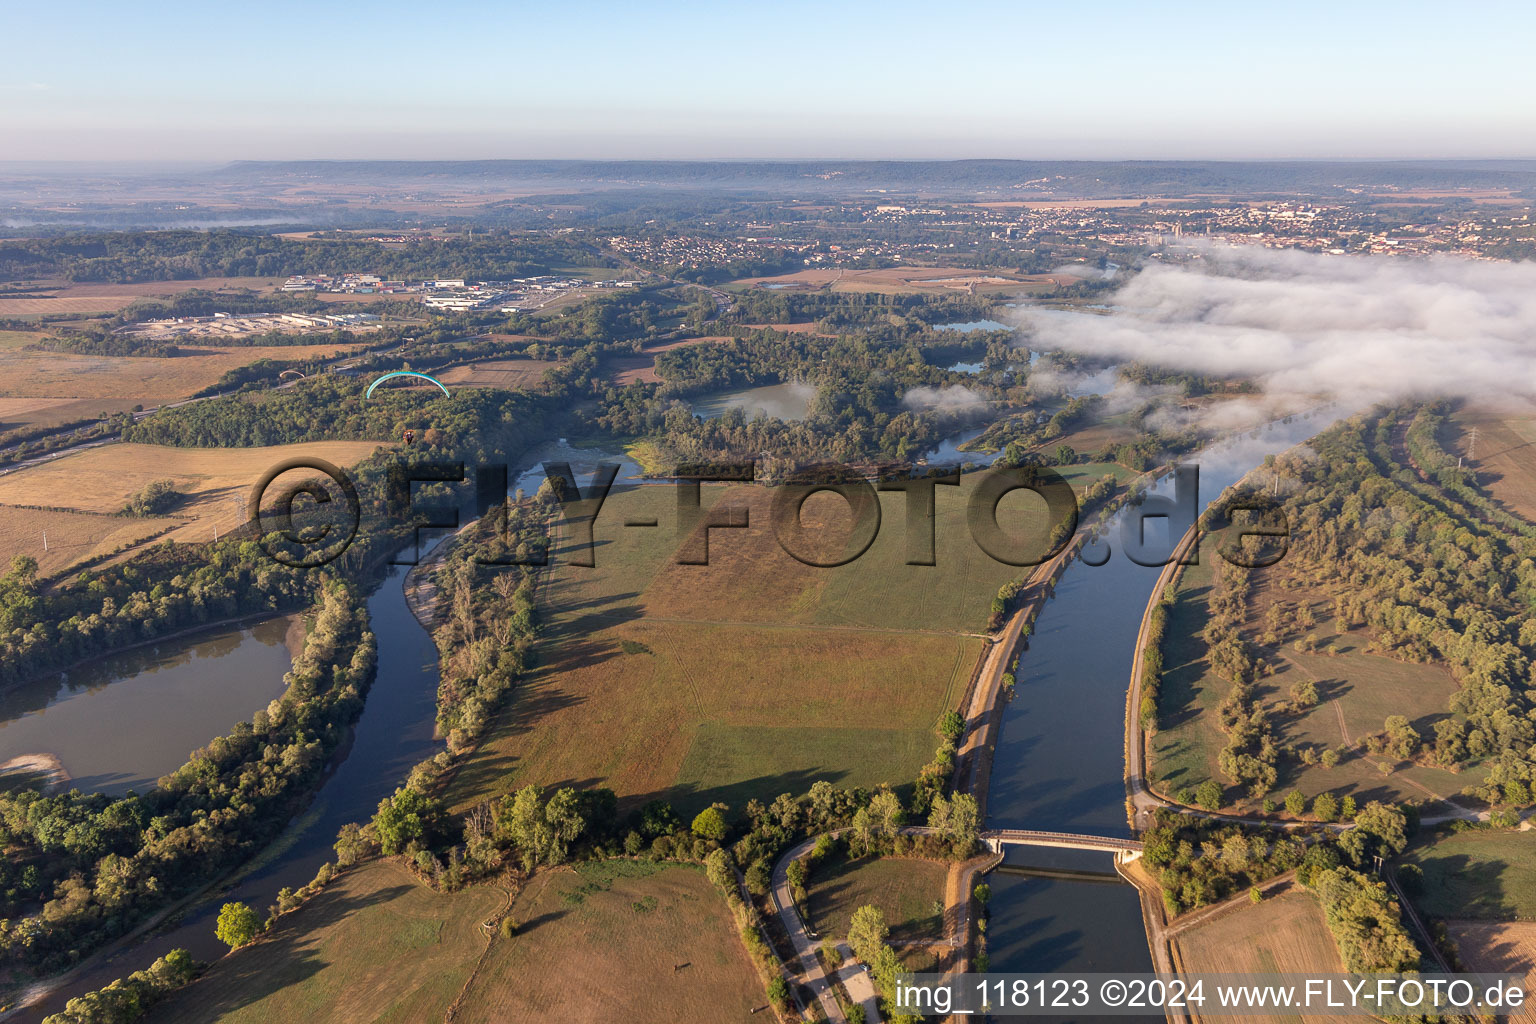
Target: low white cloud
(950, 400)
(1359, 328)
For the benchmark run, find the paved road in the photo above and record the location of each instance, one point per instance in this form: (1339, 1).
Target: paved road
(799, 937)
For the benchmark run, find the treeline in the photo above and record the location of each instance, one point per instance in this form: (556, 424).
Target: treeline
(486, 585)
(130, 256)
(81, 868)
(171, 588)
(333, 407)
(1431, 580)
(128, 999)
(839, 311)
(1201, 861)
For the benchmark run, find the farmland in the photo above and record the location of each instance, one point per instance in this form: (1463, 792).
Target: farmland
(1505, 453)
(1489, 875)
(73, 537)
(92, 297)
(134, 379)
(905, 280)
(216, 483)
(374, 946)
(1284, 934)
(511, 374)
(1496, 947)
(603, 941)
(753, 675)
(904, 890)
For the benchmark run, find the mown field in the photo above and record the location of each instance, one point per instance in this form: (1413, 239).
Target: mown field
(511, 374)
(607, 942)
(1488, 875)
(144, 380)
(1505, 453)
(904, 890)
(95, 297)
(1284, 934)
(72, 537)
(751, 676)
(374, 946)
(216, 481)
(1358, 691)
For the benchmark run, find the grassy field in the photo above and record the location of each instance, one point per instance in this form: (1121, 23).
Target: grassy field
(73, 537)
(752, 675)
(217, 481)
(748, 677)
(1358, 690)
(905, 890)
(375, 946)
(133, 379)
(1284, 934)
(1489, 875)
(604, 942)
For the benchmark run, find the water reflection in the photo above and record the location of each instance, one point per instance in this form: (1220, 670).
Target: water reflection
(121, 722)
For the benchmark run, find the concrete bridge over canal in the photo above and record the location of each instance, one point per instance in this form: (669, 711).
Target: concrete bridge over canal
(1125, 850)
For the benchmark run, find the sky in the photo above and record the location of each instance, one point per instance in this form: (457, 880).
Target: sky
(895, 80)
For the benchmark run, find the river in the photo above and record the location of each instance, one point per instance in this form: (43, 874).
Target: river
(1059, 763)
(394, 733)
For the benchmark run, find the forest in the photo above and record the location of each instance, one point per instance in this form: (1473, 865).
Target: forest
(133, 256)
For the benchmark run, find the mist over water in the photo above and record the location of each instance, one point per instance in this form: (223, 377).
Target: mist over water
(1362, 329)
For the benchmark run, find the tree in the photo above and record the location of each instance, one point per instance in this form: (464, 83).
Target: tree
(778, 992)
(1330, 758)
(520, 820)
(885, 810)
(1326, 807)
(401, 820)
(867, 932)
(710, 824)
(951, 725)
(983, 893)
(1209, 795)
(1402, 738)
(717, 868)
(237, 925)
(1295, 802)
(563, 815)
(350, 845)
(957, 820)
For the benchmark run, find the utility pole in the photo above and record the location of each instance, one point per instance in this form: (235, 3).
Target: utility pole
(45, 541)
(1472, 444)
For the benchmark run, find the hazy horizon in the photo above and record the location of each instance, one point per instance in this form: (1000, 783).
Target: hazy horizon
(598, 81)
